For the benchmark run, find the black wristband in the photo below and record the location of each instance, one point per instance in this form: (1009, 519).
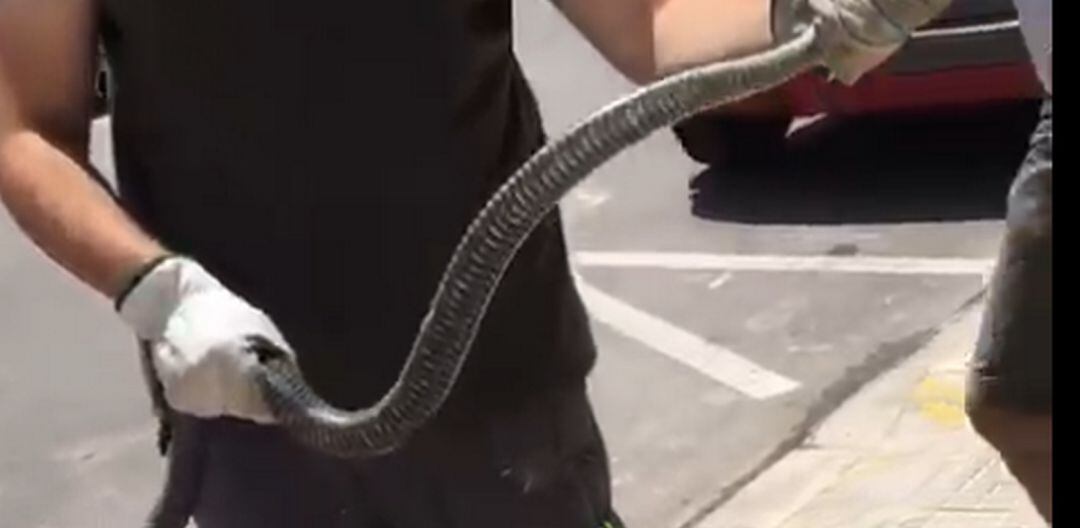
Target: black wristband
(139, 275)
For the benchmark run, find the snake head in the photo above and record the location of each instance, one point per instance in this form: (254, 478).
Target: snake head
(265, 350)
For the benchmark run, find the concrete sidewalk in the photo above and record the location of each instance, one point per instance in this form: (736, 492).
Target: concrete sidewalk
(898, 454)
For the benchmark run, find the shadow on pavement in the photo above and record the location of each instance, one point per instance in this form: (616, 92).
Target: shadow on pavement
(941, 167)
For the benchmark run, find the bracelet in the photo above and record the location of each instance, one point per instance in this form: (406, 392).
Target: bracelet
(139, 275)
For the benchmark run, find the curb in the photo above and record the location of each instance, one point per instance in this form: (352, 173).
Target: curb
(887, 359)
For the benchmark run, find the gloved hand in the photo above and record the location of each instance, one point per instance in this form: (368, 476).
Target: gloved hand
(199, 333)
(858, 35)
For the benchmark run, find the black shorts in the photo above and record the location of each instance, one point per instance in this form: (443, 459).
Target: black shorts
(541, 466)
(1013, 357)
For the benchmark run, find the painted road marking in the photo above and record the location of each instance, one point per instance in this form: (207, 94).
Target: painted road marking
(591, 198)
(714, 361)
(834, 264)
(721, 280)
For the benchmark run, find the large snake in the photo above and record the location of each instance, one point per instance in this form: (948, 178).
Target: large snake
(482, 256)
(489, 245)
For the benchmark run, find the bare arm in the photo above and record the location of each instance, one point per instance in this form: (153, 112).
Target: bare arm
(46, 69)
(646, 39)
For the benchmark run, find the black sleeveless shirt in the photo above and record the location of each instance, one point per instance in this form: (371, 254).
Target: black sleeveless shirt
(323, 157)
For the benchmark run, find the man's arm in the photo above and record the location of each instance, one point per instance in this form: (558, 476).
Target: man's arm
(46, 68)
(198, 329)
(646, 39)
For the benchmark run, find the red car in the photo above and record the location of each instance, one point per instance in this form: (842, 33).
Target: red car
(973, 54)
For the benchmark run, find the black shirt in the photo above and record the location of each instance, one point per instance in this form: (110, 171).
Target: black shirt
(323, 157)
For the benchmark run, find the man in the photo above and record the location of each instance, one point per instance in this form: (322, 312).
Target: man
(301, 171)
(1010, 387)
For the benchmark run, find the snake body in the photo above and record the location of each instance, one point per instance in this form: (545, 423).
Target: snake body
(483, 255)
(490, 242)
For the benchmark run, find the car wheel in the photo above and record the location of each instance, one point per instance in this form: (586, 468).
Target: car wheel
(720, 140)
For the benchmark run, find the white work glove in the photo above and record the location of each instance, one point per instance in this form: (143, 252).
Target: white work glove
(858, 35)
(199, 335)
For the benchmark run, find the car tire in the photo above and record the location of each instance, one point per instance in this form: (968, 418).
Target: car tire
(719, 140)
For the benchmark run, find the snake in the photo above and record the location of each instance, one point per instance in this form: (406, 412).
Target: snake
(479, 261)
(488, 246)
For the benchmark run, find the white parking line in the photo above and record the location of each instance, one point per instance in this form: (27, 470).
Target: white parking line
(835, 264)
(721, 280)
(714, 361)
(591, 198)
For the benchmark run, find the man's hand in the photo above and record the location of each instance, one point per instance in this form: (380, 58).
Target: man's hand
(858, 34)
(200, 335)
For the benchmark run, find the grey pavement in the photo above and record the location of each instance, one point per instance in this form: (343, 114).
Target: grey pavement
(899, 454)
